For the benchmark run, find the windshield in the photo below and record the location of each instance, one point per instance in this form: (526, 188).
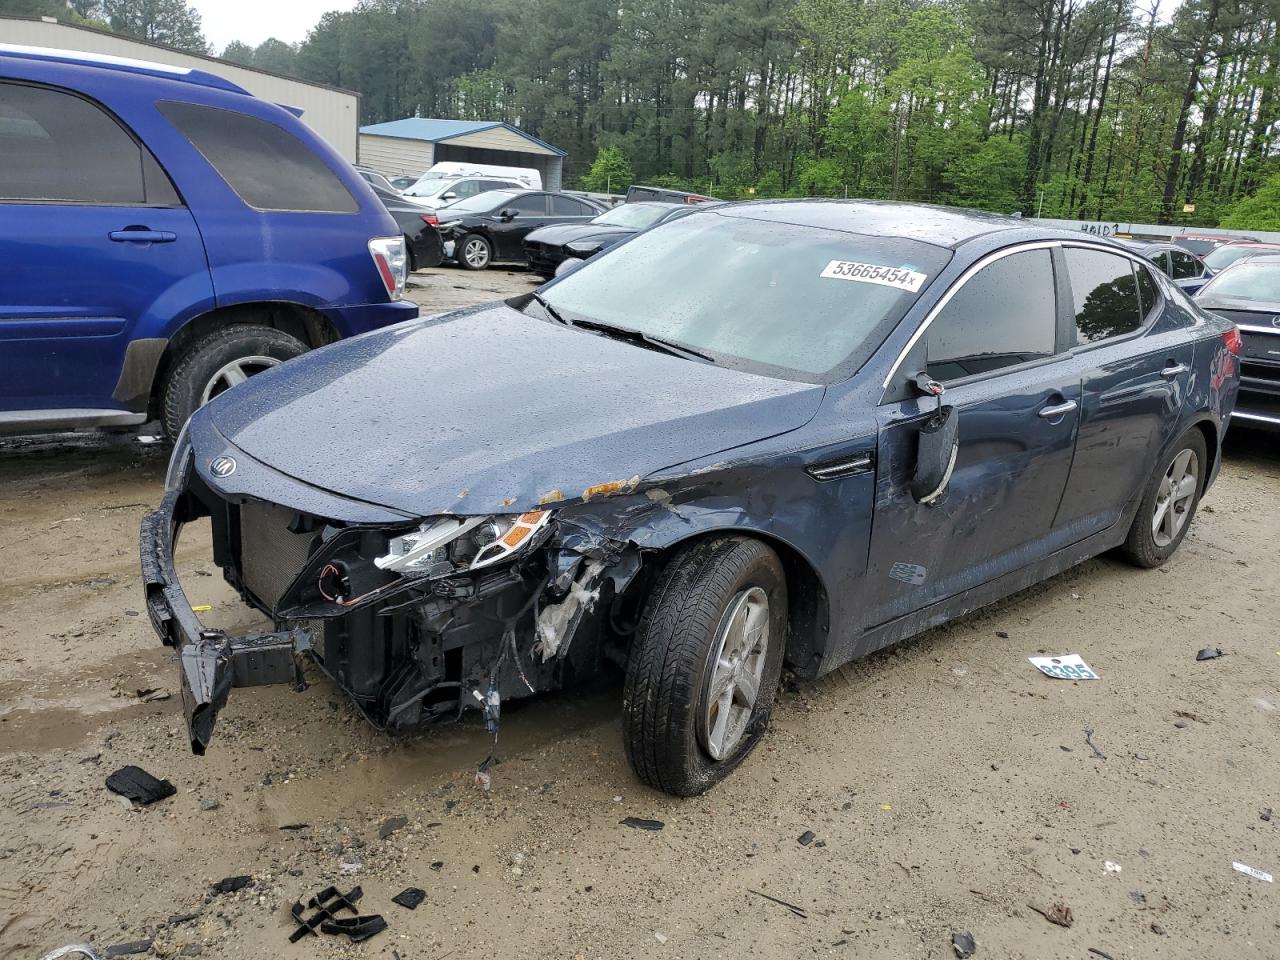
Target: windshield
(482, 202)
(636, 215)
(1248, 281)
(1225, 256)
(797, 302)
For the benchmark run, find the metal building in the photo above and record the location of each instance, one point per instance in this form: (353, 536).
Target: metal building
(412, 145)
(329, 111)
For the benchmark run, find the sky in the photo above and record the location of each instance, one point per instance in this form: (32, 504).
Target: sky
(253, 21)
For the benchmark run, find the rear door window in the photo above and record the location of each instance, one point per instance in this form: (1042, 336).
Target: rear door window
(533, 205)
(57, 146)
(1185, 266)
(1004, 315)
(562, 206)
(1105, 294)
(267, 166)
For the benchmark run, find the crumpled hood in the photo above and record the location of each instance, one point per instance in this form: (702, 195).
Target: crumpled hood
(560, 234)
(489, 410)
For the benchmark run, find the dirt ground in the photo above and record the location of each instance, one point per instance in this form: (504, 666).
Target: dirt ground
(949, 785)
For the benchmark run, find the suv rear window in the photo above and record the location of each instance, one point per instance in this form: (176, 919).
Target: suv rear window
(267, 166)
(58, 146)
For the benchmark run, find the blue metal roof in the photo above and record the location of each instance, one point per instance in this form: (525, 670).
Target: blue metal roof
(436, 131)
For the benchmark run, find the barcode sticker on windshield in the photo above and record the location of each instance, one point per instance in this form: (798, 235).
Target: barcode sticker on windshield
(907, 280)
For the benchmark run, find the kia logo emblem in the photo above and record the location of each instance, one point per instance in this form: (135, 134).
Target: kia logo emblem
(222, 467)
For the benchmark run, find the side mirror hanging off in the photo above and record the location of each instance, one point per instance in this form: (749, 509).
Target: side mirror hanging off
(937, 445)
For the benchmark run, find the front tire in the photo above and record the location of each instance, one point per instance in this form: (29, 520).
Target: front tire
(1170, 502)
(704, 666)
(217, 362)
(474, 252)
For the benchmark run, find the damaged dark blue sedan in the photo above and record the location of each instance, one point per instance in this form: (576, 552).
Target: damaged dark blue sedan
(764, 434)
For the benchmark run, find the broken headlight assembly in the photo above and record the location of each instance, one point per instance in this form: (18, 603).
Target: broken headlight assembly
(447, 545)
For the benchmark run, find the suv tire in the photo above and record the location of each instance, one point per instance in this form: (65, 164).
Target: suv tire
(215, 362)
(692, 710)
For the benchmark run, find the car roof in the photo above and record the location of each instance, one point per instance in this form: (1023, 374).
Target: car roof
(1273, 258)
(108, 62)
(927, 223)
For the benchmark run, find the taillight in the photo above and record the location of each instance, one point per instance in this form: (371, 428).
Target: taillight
(431, 218)
(1232, 340)
(392, 260)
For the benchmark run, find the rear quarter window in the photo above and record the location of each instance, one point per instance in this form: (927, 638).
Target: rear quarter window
(267, 166)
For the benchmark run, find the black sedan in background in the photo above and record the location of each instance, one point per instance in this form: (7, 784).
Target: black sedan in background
(418, 224)
(1248, 294)
(1181, 266)
(549, 247)
(492, 226)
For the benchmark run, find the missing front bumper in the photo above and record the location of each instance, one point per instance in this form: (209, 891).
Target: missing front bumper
(211, 663)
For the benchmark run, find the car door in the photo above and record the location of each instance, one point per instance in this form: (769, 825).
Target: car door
(995, 342)
(531, 210)
(92, 237)
(1187, 271)
(1137, 370)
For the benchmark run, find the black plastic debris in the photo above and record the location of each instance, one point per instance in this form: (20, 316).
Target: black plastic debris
(391, 825)
(806, 838)
(357, 928)
(326, 904)
(437, 865)
(640, 823)
(178, 918)
(139, 786)
(1101, 953)
(798, 911)
(1209, 653)
(232, 884)
(127, 949)
(410, 897)
(294, 826)
(963, 944)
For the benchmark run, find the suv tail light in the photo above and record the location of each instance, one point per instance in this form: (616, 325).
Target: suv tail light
(431, 218)
(392, 260)
(1232, 340)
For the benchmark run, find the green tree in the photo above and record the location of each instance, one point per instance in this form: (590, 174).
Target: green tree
(610, 172)
(238, 52)
(1261, 211)
(172, 22)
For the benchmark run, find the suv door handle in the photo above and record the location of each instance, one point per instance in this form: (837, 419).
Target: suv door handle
(142, 236)
(1174, 370)
(1058, 410)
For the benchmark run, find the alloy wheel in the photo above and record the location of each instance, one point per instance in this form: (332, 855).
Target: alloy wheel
(737, 668)
(1175, 497)
(234, 373)
(476, 253)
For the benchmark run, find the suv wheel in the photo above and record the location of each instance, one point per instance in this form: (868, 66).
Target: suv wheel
(216, 363)
(1173, 493)
(474, 252)
(704, 666)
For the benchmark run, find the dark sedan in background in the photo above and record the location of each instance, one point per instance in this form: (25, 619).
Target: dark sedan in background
(492, 226)
(418, 224)
(549, 247)
(764, 433)
(1179, 265)
(1248, 293)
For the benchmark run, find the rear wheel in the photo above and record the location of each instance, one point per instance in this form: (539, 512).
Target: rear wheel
(1170, 502)
(219, 361)
(474, 252)
(705, 664)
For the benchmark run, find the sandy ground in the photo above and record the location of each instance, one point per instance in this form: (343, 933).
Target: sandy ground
(949, 785)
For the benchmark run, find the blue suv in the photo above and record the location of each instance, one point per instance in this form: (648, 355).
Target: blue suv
(164, 235)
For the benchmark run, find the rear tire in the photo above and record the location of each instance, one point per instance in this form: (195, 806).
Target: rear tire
(688, 698)
(215, 362)
(1169, 504)
(474, 252)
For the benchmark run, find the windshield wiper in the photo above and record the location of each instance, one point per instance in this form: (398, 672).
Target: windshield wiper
(551, 311)
(640, 338)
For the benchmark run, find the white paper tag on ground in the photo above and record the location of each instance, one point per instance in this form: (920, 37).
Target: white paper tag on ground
(897, 277)
(1069, 666)
(1251, 871)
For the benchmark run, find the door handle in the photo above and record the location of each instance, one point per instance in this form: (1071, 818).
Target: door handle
(1174, 370)
(1058, 410)
(142, 236)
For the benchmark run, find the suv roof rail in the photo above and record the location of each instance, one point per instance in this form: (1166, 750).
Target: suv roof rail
(124, 64)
